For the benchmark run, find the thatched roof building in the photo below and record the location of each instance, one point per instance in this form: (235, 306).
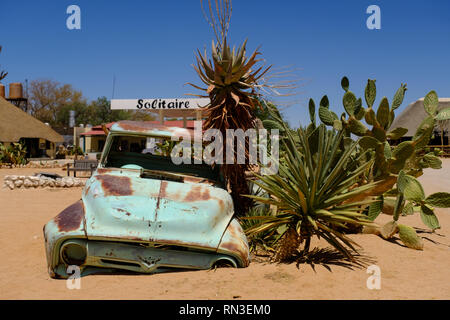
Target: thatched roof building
(414, 114)
(16, 124)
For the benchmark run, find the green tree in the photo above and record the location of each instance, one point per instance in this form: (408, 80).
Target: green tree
(101, 109)
(47, 97)
(84, 114)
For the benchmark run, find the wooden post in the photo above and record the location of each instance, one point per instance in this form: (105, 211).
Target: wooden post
(161, 116)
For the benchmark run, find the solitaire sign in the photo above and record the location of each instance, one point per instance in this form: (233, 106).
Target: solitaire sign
(158, 104)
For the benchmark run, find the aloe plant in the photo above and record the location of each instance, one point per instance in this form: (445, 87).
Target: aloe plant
(231, 79)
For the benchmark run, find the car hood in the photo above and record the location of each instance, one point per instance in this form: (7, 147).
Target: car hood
(121, 205)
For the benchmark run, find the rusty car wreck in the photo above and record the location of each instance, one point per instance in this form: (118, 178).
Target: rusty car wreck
(140, 212)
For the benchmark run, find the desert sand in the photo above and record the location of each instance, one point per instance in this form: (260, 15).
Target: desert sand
(405, 273)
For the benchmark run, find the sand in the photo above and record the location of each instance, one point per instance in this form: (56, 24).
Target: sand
(405, 273)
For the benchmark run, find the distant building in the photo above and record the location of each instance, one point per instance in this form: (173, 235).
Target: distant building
(18, 126)
(93, 140)
(415, 113)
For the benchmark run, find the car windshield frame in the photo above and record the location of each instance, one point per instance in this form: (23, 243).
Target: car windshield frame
(202, 171)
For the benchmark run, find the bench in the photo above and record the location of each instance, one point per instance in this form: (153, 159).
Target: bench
(82, 165)
(444, 148)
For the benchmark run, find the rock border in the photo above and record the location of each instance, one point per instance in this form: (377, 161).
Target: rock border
(27, 182)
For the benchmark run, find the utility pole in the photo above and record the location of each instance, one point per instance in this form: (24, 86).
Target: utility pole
(114, 85)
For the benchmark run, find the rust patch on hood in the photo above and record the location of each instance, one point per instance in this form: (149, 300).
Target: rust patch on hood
(162, 190)
(123, 211)
(104, 170)
(197, 193)
(115, 185)
(70, 218)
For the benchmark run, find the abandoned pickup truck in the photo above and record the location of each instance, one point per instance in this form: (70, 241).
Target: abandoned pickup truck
(140, 212)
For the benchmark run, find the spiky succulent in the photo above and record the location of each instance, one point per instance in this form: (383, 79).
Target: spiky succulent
(314, 192)
(231, 84)
(231, 80)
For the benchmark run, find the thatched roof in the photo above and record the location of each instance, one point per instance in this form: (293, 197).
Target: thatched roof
(16, 124)
(414, 114)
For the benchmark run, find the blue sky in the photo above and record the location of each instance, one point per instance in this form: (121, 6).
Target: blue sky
(149, 45)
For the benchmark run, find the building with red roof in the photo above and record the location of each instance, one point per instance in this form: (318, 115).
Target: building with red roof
(93, 140)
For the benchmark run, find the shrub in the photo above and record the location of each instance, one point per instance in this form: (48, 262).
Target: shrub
(13, 153)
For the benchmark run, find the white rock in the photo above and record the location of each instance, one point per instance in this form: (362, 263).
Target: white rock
(59, 183)
(43, 182)
(18, 183)
(9, 184)
(27, 183)
(69, 182)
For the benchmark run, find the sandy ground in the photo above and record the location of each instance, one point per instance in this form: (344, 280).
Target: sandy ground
(405, 273)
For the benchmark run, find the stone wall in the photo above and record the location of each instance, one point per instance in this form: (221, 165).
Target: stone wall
(38, 164)
(26, 182)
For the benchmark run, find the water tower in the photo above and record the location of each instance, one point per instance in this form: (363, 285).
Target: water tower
(16, 96)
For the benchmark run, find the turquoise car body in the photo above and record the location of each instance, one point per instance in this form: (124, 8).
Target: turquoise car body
(128, 221)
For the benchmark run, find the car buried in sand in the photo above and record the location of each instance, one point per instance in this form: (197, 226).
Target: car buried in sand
(140, 212)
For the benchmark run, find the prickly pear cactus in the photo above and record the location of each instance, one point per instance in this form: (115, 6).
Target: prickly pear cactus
(403, 161)
(409, 237)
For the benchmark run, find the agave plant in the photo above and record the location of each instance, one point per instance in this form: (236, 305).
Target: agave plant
(232, 82)
(265, 239)
(315, 192)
